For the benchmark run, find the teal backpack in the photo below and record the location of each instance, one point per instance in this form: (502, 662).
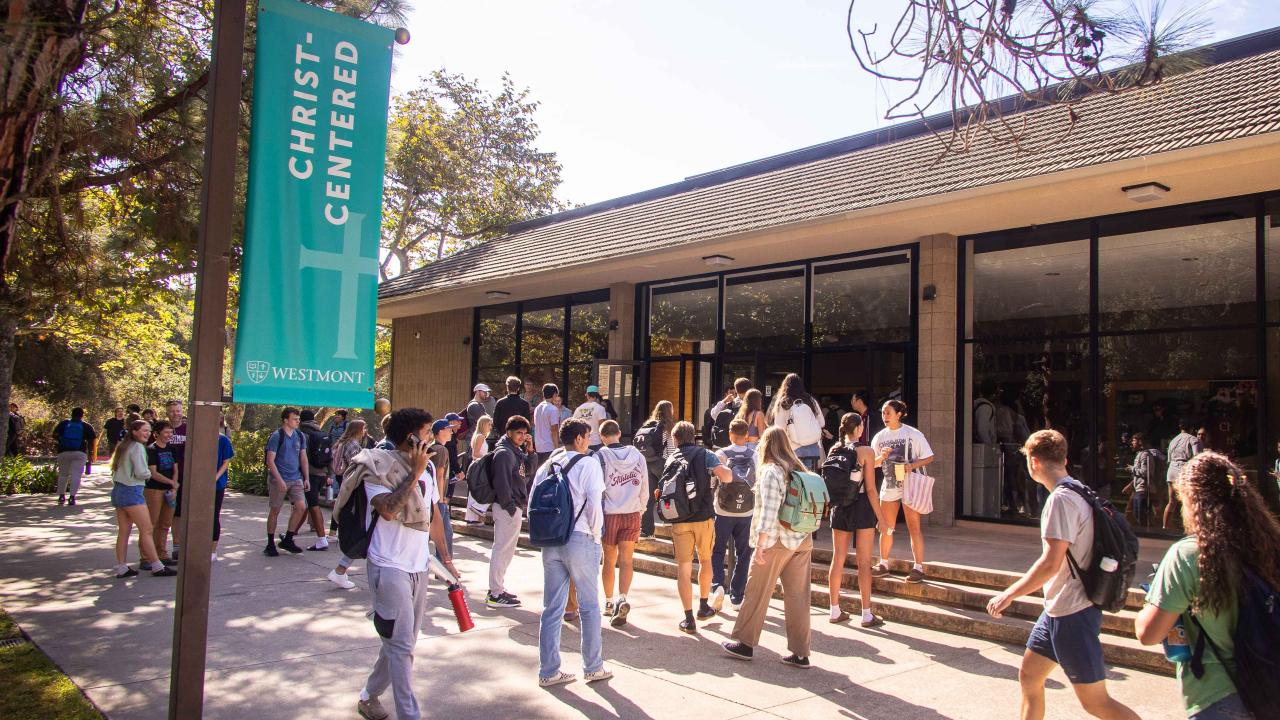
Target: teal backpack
(805, 503)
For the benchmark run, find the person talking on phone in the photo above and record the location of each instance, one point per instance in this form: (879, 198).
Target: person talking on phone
(401, 488)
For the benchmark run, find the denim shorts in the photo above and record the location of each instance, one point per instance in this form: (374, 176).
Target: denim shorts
(1072, 642)
(123, 496)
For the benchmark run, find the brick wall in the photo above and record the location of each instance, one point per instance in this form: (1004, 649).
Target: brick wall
(622, 308)
(935, 415)
(430, 367)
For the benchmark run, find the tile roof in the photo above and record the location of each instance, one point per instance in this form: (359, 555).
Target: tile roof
(1220, 102)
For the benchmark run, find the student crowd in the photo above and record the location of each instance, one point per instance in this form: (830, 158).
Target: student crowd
(761, 484)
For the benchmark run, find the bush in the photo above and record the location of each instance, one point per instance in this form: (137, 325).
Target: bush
(248, 471)
(37, 437)
(18, 475)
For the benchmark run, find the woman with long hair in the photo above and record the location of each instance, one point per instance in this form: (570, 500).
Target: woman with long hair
(1198, 579)
(752, 413)
(350, 444)
(901, 451)
(664, 418)
(780, 554)
(129, 473)
(479, 447)
(797, 412)
(856, 521)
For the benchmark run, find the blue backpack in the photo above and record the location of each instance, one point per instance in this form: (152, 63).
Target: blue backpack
(72, 437)
(1256, 664)
(551, 517)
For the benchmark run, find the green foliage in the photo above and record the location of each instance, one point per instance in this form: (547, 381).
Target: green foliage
(37, 438)
(248, 472)
(18, 475)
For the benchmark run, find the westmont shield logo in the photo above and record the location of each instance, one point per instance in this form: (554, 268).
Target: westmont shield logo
(257, 370)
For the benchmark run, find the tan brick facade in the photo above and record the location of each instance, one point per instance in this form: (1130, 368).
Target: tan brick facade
(935, 414)
(622, 309)
(431, 367)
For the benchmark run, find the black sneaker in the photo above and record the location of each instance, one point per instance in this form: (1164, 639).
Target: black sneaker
(71, 500)
(688, 627)
(797, 661)
(289, 544)
(127, 573)
(62, 499)
(164, 572)
(511, 595)
(741, 651)
(169, 563)
(705, 613)
(501, 602)
(270, 551)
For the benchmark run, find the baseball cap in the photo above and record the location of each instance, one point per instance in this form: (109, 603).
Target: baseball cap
(453, 417)
(593, 388)
(439, 425)
(480, 387)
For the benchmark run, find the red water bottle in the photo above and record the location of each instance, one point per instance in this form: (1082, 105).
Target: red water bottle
(460, 610)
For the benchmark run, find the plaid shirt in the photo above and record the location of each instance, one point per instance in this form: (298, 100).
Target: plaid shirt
(771, 490)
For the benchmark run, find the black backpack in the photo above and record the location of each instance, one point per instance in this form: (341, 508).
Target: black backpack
(1256, 664)
(720, 428)
(355, 528)
(836, 472)
(648, 440)
(480, 479)
(683, 486)
(738, 496)
(708, 428)
(1112, 539)
(319, 450)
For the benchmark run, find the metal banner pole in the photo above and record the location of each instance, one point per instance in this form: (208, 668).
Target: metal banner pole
(209, 340)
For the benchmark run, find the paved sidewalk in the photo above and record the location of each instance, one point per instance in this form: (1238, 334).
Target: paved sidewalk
(285, 643)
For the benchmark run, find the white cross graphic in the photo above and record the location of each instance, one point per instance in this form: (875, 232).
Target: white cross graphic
(350, 264)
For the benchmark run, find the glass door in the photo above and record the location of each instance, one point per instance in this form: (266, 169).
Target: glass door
(687, 382)
(619, 382)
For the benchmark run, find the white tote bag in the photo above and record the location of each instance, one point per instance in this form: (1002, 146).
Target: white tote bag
(917, 492)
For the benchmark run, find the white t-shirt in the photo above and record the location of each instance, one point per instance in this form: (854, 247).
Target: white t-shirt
(592, 413)
(545, 417)
(586, 485)
(902, 442)
(395, 546)
(626, 478)
(1067, 516)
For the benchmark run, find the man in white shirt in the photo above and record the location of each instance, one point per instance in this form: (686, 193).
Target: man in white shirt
(546, 423)
(1067, 632)
(592, 413)
(578, 560)
(398, 555)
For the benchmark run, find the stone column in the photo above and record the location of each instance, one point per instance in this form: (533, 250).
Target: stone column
(622, 310)
(936, 381)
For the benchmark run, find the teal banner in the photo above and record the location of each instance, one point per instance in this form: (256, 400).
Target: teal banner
(309, 288)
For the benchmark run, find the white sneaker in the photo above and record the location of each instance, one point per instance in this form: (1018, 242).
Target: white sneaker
(717, 598)
(213, 557)
(341, 581)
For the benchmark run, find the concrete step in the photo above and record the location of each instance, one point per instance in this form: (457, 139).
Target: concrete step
(941, 604)
(931, 590)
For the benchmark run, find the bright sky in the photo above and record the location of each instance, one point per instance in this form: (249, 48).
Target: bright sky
(637, 95)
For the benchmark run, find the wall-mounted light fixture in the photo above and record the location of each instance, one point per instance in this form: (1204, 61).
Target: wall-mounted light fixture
(717, 260)
(930, 292)
(466, 339)
(613, 325)
(417, 335)
(1145, 192)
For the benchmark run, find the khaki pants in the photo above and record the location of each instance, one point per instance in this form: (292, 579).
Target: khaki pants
(792, 567)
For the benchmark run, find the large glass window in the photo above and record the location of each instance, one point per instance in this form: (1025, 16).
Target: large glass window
(1166, 337)
(862, 301)
(1189, 268)
(1271, 229)
(528, 340)
(764, 310)
(1030, 284)
(683, 318)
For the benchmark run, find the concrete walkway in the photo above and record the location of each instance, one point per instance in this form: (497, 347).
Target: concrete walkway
(284, 643)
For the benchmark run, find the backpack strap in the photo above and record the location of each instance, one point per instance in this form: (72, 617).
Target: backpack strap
(565, 469)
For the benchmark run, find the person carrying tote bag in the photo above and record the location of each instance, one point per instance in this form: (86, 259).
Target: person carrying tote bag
(891, 446)
(917, 492)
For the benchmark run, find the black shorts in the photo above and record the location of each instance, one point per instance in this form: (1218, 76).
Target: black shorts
(856, 516)
(312, 496)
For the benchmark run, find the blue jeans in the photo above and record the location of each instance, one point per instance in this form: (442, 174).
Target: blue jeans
(1140, 507)
(579, 560)
(1228, 708)
(810, 455)
(443, 508)
(738, 531)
